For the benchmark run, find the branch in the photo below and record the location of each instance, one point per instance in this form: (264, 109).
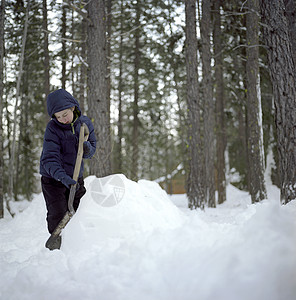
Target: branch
(248, 46)
(78, 10)
(63, 39)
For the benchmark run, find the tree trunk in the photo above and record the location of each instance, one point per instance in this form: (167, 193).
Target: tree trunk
(64, 50)
(135, 154)
(254, 115)
(83, 68)
(209, 120)
(18, 85)
(2, 16)
(72, 53)
(175, 62)
(220, 123)
(46, 59)
(120, 90)
(97, 87)
(291, 17)
(108, 43)
(195, 186)
(282, 71)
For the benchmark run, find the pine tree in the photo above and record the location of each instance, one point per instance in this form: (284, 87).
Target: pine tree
(64, 55)
(290, 7)
(97, 84)
(12, 162)
(282, 71)
(46, 87)
(254, 127)
(209, 119)
(31, 119)
(2, 16)
(195, 184)
(219, 95)
(234, 57)
(135, 134)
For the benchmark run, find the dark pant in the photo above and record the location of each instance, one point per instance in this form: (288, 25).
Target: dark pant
(56, 197)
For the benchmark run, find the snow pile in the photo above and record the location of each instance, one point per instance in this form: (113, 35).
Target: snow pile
(129, 241)
(115, 208)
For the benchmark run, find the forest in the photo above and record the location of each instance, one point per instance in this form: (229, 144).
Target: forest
(196, 94)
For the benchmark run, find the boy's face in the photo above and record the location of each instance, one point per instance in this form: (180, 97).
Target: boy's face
(65, 116)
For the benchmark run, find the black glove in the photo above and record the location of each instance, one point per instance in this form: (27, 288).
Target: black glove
(86, 148)
(67, 181)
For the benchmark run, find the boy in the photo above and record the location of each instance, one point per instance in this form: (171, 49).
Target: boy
(59, 153)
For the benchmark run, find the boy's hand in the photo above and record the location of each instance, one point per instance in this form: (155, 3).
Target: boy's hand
(86, 148)
(67, 181)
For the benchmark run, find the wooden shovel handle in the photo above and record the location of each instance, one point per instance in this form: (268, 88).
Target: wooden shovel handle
(83, 136)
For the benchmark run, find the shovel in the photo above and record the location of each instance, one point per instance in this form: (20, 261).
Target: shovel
(54, 241)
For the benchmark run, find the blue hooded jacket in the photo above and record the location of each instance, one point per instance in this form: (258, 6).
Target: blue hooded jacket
(60, 144)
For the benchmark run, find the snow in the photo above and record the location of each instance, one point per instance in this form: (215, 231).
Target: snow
(131, 241)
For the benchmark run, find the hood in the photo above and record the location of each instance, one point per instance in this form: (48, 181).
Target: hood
(60, 100)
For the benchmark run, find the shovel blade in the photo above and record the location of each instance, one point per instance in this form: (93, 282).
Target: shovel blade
(55, 239)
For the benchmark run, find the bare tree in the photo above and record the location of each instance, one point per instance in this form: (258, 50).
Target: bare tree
(64, 49)
(120, 92)
(136, 95)
(46, 58)
(219, 93)
(254, 115)
(2, 15)
(195, 186)
(282, 71)
(97, 86)
(291, 17)
(209, 119)
(83, 65)
(108, 43)
(18, 84)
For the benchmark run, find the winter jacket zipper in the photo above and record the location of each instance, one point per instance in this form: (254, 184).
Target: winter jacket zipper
(72, 125)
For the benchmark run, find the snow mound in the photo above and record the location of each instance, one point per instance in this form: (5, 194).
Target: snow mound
(116, 208)
(128, 241)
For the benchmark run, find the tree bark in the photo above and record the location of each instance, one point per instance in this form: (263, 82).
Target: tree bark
(219, 93)
(254, 115)
(108, 43)
(46, 59)
(18, 85)
(282, 71)
(120, 90)
(175, 62)
(64, 50)
(135, 153)
(291, 18)
(195, 185)
(2, 16)
(83, 68)
(97, 87)
(209, 120)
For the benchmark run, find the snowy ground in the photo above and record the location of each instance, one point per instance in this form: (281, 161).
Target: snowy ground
(130, 241)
